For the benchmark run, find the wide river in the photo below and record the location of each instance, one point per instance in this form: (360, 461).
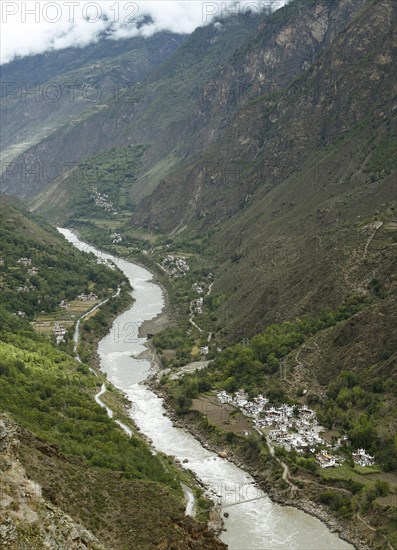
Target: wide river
(254, 522)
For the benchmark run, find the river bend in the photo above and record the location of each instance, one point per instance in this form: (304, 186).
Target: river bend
(254, 522)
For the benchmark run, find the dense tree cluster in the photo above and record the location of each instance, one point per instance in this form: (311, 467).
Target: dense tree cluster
(38, 268)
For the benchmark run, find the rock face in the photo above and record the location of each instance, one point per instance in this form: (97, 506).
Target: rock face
(27, 520)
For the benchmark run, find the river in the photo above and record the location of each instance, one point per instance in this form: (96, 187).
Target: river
(254, 522)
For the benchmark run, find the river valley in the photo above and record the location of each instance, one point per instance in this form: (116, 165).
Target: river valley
(254, 522)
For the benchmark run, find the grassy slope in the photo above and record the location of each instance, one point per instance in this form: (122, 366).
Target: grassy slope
(112, 173)
(63, 273)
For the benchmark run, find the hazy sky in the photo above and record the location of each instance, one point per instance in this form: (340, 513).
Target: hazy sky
(32, 26)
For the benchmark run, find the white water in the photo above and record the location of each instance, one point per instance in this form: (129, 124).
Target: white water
(254, 522)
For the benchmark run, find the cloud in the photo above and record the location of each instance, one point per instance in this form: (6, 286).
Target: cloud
(31, 27)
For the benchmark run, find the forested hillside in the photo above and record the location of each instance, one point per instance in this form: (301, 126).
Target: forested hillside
(39, 268)
(56, 441)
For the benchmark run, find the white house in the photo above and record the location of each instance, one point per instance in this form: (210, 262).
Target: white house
(59, 333)
(325, 460)
(362, 458)
(24, 261)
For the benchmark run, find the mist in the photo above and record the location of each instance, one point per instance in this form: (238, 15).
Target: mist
(31, 27)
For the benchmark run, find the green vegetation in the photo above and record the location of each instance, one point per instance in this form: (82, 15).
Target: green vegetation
(111, 174)
(357, 407)
(101, 185)
(246, 366)
(337, 502)
(48, 393)
(352, 405)
(85, 463)
(280, 220)
(42, 386)
(96, 326)
(384, 156)
(54, 270)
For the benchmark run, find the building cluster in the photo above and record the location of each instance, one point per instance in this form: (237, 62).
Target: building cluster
(198, 306)
(116, 238)
(250, 408)
(204, 350)
(27, 262)
(59, 333)
(198, 288)
(26, 288)
(102, 200)
(326, 460)
(176, 267)
(24, 261)
(362, 458)
(88, 297)
(293, 427)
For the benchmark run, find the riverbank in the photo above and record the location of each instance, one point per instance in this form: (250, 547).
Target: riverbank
(152, 327)
(351, 534)
(115, 329)
(149, 327)
(269, 486)
(256, 520)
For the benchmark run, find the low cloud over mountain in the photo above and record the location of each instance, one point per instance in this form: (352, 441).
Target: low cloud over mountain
(31, 27)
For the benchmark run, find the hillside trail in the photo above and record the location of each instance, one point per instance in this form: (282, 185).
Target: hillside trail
(376, 225)
(191, 315)
(109, 411)
(373, 529)
(300, 372)
(356, 258)
(286, 472)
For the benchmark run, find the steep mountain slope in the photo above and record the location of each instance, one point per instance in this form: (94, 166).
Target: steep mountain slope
(137, 53)
(296, 123)
(42, 92)
(152, 113)
(27, 519)
(186, 104)
(291, 191)
(265, 156)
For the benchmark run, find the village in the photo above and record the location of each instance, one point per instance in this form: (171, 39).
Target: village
(294, 427)
(57, 324)
(175, 267)
(102, 200)
(59, 330)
